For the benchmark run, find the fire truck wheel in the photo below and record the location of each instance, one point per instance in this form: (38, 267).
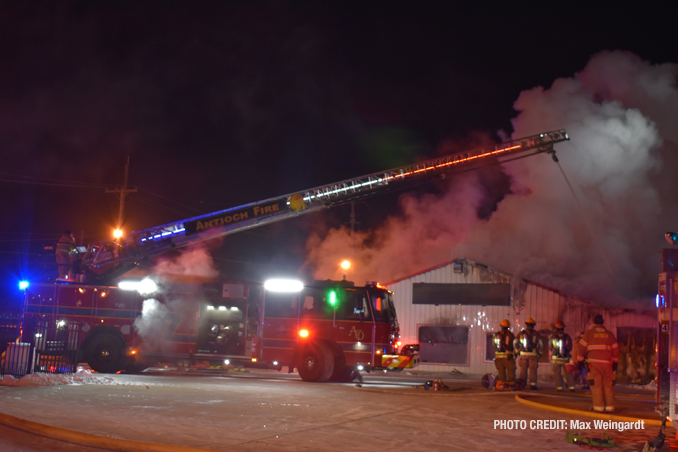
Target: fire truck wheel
(317, 362)
(342, 375)
(106, 354)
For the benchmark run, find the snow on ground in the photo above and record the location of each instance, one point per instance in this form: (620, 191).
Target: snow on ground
(81, 377)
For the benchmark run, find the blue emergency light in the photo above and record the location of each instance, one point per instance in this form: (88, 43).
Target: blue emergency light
(23, 285)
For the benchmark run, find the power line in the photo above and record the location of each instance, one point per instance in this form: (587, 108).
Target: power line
(46, 179)
(199, 211)
(53, 184)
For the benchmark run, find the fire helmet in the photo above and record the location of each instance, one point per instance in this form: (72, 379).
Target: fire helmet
(504, 324)
(598, 319)
(530, 321)
(560, 325)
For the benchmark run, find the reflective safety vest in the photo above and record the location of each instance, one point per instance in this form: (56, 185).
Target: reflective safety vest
(599, 346)
(560, 348)
(65, 245)
(503, 344)
(527, 344)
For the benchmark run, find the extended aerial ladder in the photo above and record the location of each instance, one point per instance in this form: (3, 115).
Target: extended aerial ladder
(108, 259)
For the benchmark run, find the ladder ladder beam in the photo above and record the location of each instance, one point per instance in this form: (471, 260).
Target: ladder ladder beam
(151, 242)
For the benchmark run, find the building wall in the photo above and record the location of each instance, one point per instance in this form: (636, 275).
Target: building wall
(529, 299)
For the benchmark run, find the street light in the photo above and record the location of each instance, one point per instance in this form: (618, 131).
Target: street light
(345, 264)
(117, 233)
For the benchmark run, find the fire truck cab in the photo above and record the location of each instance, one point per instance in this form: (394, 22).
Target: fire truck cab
(330, 329)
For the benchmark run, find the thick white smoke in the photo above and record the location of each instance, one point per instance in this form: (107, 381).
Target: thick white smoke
(160, 319)
(193, 260)
(622, 161)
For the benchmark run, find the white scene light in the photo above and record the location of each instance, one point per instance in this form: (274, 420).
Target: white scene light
(283, 285)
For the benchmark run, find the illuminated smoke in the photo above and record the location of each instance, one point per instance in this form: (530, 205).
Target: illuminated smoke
(159, 319)
(193, 260)
(153, 323)
(622, 160)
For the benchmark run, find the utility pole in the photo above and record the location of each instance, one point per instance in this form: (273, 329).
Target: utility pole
(123, 191)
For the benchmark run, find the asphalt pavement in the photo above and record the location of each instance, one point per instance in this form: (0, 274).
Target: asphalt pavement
(273, 411)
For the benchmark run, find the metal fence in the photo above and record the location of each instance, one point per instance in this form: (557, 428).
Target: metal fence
(45, 344)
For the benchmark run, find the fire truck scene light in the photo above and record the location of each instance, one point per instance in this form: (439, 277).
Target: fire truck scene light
(145, 286)
(283, 285)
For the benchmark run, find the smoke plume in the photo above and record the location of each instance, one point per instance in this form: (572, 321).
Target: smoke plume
(194, 260)
(622, 161)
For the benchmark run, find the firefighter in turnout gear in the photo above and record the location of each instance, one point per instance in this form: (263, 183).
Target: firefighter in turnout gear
(602, 354)
(64, 257)
(503, 354)
(529, 346)
(560, 349)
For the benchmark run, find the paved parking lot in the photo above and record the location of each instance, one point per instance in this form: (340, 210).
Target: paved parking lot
(276, 412)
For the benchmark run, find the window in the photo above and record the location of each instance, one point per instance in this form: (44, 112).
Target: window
(489, 346)
(495, 294)
(443, 344)
(352, 305)
(281, 305)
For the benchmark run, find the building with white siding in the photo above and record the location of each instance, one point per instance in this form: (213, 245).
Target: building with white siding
(453, 309)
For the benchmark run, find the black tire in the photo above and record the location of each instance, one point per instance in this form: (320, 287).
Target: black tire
(341, 373)
(106, 354)
(316, 363)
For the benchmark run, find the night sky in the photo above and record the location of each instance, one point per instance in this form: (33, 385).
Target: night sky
(218, 104)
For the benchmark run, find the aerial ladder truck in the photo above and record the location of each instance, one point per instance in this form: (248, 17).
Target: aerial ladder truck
(108, 259)
(347, 327)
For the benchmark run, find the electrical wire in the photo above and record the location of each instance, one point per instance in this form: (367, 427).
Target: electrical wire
(199, 211)
(587, 222)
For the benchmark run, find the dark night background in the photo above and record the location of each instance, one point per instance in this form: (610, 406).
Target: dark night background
(218, 104)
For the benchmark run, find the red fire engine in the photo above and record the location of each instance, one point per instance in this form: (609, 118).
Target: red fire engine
(330, 328)
(325, 329)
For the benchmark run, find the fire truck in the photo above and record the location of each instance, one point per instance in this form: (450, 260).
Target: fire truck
(667, 336)
(325, 329)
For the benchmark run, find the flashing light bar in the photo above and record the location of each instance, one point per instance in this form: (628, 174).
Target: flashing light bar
(163, 234)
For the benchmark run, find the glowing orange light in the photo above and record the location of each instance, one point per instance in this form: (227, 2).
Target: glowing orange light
(103, 294)
(134, 352)
(81, 290)
(254, 360)
(381, 286)
(117, 233)
(345, 264)
(378, 352)
(303, 333)
(398, 343)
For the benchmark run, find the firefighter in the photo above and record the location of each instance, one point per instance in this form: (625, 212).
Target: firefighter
(64, 257)
(602, 354)
(579, 366)
(503, 354)
(560, 349)
(528, 345)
